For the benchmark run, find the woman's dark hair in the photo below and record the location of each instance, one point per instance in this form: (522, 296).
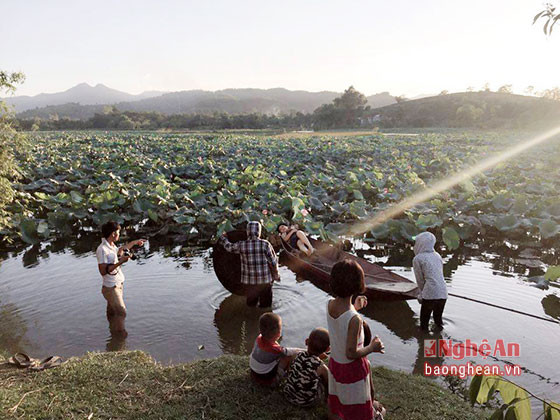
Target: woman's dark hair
(347, 279)
(109, 228)
(281, 224)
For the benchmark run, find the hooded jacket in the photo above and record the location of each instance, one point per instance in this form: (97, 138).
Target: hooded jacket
(258, 259)
(428, 268)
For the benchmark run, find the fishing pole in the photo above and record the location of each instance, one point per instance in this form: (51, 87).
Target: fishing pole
(506, 309)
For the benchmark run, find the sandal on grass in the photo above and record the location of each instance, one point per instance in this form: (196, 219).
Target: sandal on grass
(22, 361)
(49, 362)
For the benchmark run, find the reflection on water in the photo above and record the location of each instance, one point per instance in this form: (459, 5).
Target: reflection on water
(116, 342)
(178, 311)
(421, 358)
(396, 316)
(237, 324)
(12, 328)
(551, 306)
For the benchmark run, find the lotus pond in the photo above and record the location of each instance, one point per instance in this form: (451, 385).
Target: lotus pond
(498, 234)
(191, 187)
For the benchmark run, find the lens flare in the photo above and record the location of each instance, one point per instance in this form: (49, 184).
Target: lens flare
(451, 181)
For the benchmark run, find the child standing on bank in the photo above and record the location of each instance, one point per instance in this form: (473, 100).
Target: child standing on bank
(308, 376)
(428, 270)
(268, 358)
(351, 392)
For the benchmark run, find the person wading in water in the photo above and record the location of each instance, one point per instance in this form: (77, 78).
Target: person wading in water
(109, 260)
(259, 265)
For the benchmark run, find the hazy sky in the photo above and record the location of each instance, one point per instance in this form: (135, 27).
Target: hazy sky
(405, 47)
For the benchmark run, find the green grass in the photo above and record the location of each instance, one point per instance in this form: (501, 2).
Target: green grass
(131, 385)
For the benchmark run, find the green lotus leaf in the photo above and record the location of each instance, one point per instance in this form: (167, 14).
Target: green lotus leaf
(507, 223)
(316, 204)
(297, 205)
(351, 177)
(409, 230)
(380, 231)
(224, 226)
(502, 202)
(358, 209)
(553, 210)
(339, 208)
(520, 206)
(220, 200)
(41, 195)
(552, 273)
(77, 198)
(426, 221)
(549, 228)
(468, 186)
(339, 229)
(313, 228)
(28, 230)
(153, 215)
(451, 238)
(43, 229)
(358, 195)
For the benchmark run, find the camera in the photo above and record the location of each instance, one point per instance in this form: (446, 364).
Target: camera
(130, 254)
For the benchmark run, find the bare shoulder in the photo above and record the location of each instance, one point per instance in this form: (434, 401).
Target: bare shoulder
(355, 322)
(322, 369)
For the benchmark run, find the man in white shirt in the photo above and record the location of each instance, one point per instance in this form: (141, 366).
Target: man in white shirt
(109, 259)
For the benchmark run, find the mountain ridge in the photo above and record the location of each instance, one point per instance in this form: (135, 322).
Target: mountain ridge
(71, 103)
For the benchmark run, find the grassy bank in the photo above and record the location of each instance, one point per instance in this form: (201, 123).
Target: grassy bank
(132, 385)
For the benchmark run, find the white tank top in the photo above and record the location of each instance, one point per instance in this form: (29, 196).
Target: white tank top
(338, 334)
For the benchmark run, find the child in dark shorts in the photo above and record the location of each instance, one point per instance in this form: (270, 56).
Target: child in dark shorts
(308, 376)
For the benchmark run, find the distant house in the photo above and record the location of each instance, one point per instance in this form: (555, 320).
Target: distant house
(370, 119)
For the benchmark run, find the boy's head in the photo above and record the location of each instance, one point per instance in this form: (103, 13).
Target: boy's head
(111, 229)
(347, 279)
(318, 341)
(270, 326)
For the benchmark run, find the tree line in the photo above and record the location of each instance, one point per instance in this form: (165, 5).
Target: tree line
(347, 111)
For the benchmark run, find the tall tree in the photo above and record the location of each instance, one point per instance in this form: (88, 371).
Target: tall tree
(10, 142)
(505, 89)
(344, 112)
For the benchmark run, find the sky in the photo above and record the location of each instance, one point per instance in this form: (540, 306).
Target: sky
(404, 47)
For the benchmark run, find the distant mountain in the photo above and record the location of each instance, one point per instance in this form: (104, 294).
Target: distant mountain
(234, 101)
(381, 99)
(83, 101)
(470, 109)
(82, 94)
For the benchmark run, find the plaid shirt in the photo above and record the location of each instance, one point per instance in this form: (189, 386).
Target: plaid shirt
(257, 257)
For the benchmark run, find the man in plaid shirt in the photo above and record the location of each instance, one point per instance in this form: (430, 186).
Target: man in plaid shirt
(259, 265)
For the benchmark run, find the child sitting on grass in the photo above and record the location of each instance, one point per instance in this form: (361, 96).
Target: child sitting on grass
(268, 358)
(308, 377)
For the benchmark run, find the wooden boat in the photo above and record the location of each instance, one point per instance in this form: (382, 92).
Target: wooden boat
(381, 284)
(228, 265)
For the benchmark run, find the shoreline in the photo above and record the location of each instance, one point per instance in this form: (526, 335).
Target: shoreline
(131, 384)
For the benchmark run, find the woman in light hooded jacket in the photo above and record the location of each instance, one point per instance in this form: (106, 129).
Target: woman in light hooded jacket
(428, 270)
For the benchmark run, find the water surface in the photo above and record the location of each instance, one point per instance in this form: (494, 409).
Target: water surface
(51, 303)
